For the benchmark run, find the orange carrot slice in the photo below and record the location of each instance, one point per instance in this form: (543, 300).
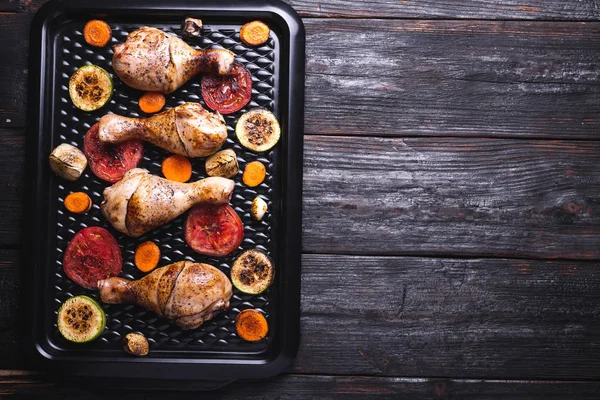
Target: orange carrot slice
(78, 203)
(147, 256)
(97, 33)
(177, 168)
(254, 33)
(254, 174)
(152, 102)
(251, 325)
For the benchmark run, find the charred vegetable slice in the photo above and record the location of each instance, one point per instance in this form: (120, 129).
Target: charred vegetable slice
(252, 272)
(81, 319)
(258, 130)
(90, 87)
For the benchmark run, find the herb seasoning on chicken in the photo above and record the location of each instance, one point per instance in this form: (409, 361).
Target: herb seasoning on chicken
(153, 60)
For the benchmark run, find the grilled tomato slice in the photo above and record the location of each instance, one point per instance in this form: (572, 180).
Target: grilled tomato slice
(92, 255)
(228, 93)
(213, 230)
(110, 161)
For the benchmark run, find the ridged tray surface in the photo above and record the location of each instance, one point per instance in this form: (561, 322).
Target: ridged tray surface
(70, 125)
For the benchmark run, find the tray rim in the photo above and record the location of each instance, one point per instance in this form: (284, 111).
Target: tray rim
(291, 93)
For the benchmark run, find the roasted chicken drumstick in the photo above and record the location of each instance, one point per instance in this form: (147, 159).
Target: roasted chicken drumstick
(153, 60)
(188, 130)
(141, 202)
(185, 292)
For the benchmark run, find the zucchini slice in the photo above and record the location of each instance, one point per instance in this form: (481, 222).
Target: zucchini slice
(252, 272)
(90, 87)
(81, 319)
(258, 130)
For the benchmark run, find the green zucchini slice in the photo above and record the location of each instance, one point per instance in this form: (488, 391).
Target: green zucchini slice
(81, 319)
(90, 87)
(258, 130)
(252, 272)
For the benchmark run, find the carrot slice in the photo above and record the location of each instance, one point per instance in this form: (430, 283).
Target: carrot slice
(177, 168)
(97, 33)
(78, 203)
(251, 325)
(254, 33)
(152, 102)
(254, 174)
(147, 256)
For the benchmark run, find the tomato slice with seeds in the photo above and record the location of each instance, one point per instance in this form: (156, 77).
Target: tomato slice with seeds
(213, 230)
(228, 93)
(110, 161)
(92, 255)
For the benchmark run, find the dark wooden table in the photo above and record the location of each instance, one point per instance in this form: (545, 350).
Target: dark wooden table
(451, 202)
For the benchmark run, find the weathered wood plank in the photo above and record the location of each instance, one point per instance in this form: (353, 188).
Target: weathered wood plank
(9, 310)
(472, 9)
(404, 316)
(14, 44)
(452, 78)
(433, 317)
(449, 196)
(432, 9)
(422, 196)
(418, 78)
(326, 387)
(12, 165)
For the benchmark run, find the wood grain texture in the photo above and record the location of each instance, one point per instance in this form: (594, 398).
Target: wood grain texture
(323, 387)
(422, 196)
(472, 9)
(12, 165)
(9, 310)
(448, 9)
(405, 316)
(418, 78)
(14, 42)
(448, 196)
(452, 78)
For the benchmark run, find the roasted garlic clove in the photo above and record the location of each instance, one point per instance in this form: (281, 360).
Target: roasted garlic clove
(68, 162)
(136, 344)
(258, 208)
(223, 163)
(191, 27)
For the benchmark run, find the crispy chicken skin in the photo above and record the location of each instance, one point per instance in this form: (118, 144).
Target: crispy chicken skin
(188, 130)
(141, 202)
(153, 60)
(186, 292)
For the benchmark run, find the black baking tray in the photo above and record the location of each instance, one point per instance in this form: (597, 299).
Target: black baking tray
(212, 354)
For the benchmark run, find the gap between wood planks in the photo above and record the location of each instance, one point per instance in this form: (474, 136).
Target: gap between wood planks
(17, 375)
(442, 256)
